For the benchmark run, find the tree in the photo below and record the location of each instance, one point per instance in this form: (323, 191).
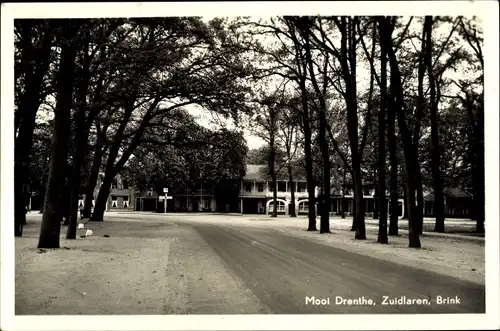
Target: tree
(34, 40)
(268, 122)
(320, 92)
(346, 57)
(435, 148)
(381, 160)
(53, 207)
(289, 139)
(178, 151)
(84, 117)
(472, 99)
(386, 27)
(212, 79)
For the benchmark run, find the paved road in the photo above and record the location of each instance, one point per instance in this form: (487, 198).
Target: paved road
(281, 271)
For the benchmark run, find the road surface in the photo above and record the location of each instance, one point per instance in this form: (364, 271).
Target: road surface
(196, 265)
(267, 271)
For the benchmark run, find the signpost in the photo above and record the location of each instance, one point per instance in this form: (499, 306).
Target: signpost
(165, 197)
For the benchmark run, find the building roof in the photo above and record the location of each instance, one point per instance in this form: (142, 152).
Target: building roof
(453, 192)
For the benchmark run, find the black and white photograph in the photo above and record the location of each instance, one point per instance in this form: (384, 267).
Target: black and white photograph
(250, 166)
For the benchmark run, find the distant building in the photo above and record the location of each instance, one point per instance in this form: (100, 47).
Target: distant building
(457, 203)
(256, 197)
(120, 198)
(256, 194)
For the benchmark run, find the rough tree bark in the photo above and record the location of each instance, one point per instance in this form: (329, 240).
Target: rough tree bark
(80, 148)
(382, 202)
(435, 148)
(348, 51)
(102, 196)
(306, 128)
(343, 194)
(35, 64)
(113, 168)
(323, 138)
(292, 190)
(478, 177)
(393, 160)
(376, 195)
(410, 154)
(272, 172)
(94, 171)
(52, 214)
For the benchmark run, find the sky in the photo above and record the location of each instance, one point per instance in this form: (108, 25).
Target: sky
(206, 119)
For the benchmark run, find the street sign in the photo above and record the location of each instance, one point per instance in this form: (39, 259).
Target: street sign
(165, 190)
(165, 197)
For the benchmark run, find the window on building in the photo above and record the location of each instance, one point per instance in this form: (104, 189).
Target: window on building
(280, 204)
(114, 201)
(301, 187)
(125, 184)
(304, 207)
(270, 187)
(366, 191)
(206, 203)
(114, 185)
(125, 198)
(281, 186)
(247, 187)
(260, 187)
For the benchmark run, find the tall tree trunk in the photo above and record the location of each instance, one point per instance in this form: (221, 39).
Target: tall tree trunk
(102, 198)
(272, 172)
(421, 108)
(301, 78)
(405, 197)
(36, 59)
(323, 138)
(51, 220)
(94, 171)
(292, 190)
(478, 177)
(80, 149)
(66, 194)
(435, 148)
(382, 202)
(359, 202)
(275, 198)
(348, 48)
(113, 168)
(376, 196)
(92, 181)
(393, 160)
(325, 154)
(354, 223)
(343, 194)
(308, 160)
(420, 198)
(410, 154)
